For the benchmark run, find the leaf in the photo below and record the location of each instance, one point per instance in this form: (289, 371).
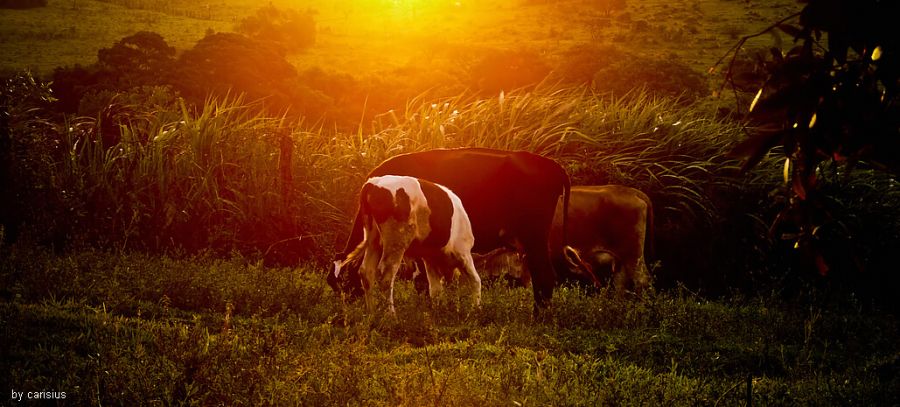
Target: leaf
(876, 53)
(787, 170)
(756, 99)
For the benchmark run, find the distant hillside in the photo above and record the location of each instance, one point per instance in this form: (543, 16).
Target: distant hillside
(371, 37)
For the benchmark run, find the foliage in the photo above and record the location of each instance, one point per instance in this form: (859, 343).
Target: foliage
(582, 62)
(221, 63)
(71, 83)
(611, 69)
(28, 149)
(141, 59)
(290, 29)
(506, 70)
(130, 328)
(138, 59)
(826, 105)
(657, 76)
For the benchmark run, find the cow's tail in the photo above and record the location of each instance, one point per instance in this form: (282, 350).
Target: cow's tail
(358, 235)
(567, 188)
(339, 264)
(648, 239)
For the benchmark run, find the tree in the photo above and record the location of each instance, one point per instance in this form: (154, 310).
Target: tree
(289, 29)
(830, 101)
(229, 62)
(140, 59)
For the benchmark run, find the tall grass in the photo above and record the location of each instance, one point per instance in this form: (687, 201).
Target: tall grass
(224, 177)
(202, 179)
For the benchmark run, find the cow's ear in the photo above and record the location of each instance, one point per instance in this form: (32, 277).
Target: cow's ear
(401, 206)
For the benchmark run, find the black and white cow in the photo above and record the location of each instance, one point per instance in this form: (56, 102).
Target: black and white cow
(413, 217)
(510, 197)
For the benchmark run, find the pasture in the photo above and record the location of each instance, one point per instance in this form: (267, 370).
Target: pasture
(162, 250)
(123, 329)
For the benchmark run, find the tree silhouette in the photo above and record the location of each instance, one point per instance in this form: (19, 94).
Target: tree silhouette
(830, 101)
(140, 59)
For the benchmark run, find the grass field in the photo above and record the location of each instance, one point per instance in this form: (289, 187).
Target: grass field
(111, 329)
(149, 266)
(117, 326)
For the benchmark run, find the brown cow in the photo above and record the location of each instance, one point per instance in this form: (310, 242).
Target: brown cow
(608, 228)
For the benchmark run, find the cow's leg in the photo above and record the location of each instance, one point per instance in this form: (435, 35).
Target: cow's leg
(389, 266)
(395, 239)
(537, 258)
(420, 277)
(525, 277)
(389, 273)
(434, 271)
(641, 276)
(367, 272)
(621, 276)
(467, 269)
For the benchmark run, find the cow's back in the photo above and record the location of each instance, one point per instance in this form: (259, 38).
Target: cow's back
(500, 190)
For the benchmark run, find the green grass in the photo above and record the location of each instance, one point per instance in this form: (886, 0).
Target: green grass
(220, 327)
(112, 328)
(58, 35)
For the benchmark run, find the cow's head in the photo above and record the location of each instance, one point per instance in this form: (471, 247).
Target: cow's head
(344, 278)
(501, 262)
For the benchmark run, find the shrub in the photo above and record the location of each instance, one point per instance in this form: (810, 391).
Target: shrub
(28, 148)
(290, 29)
(71, 83)
(582, 62)
(506, 70)
(658, 76)
(610, 69)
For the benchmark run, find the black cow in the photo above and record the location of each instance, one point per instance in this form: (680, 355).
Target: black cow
(510, 197)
